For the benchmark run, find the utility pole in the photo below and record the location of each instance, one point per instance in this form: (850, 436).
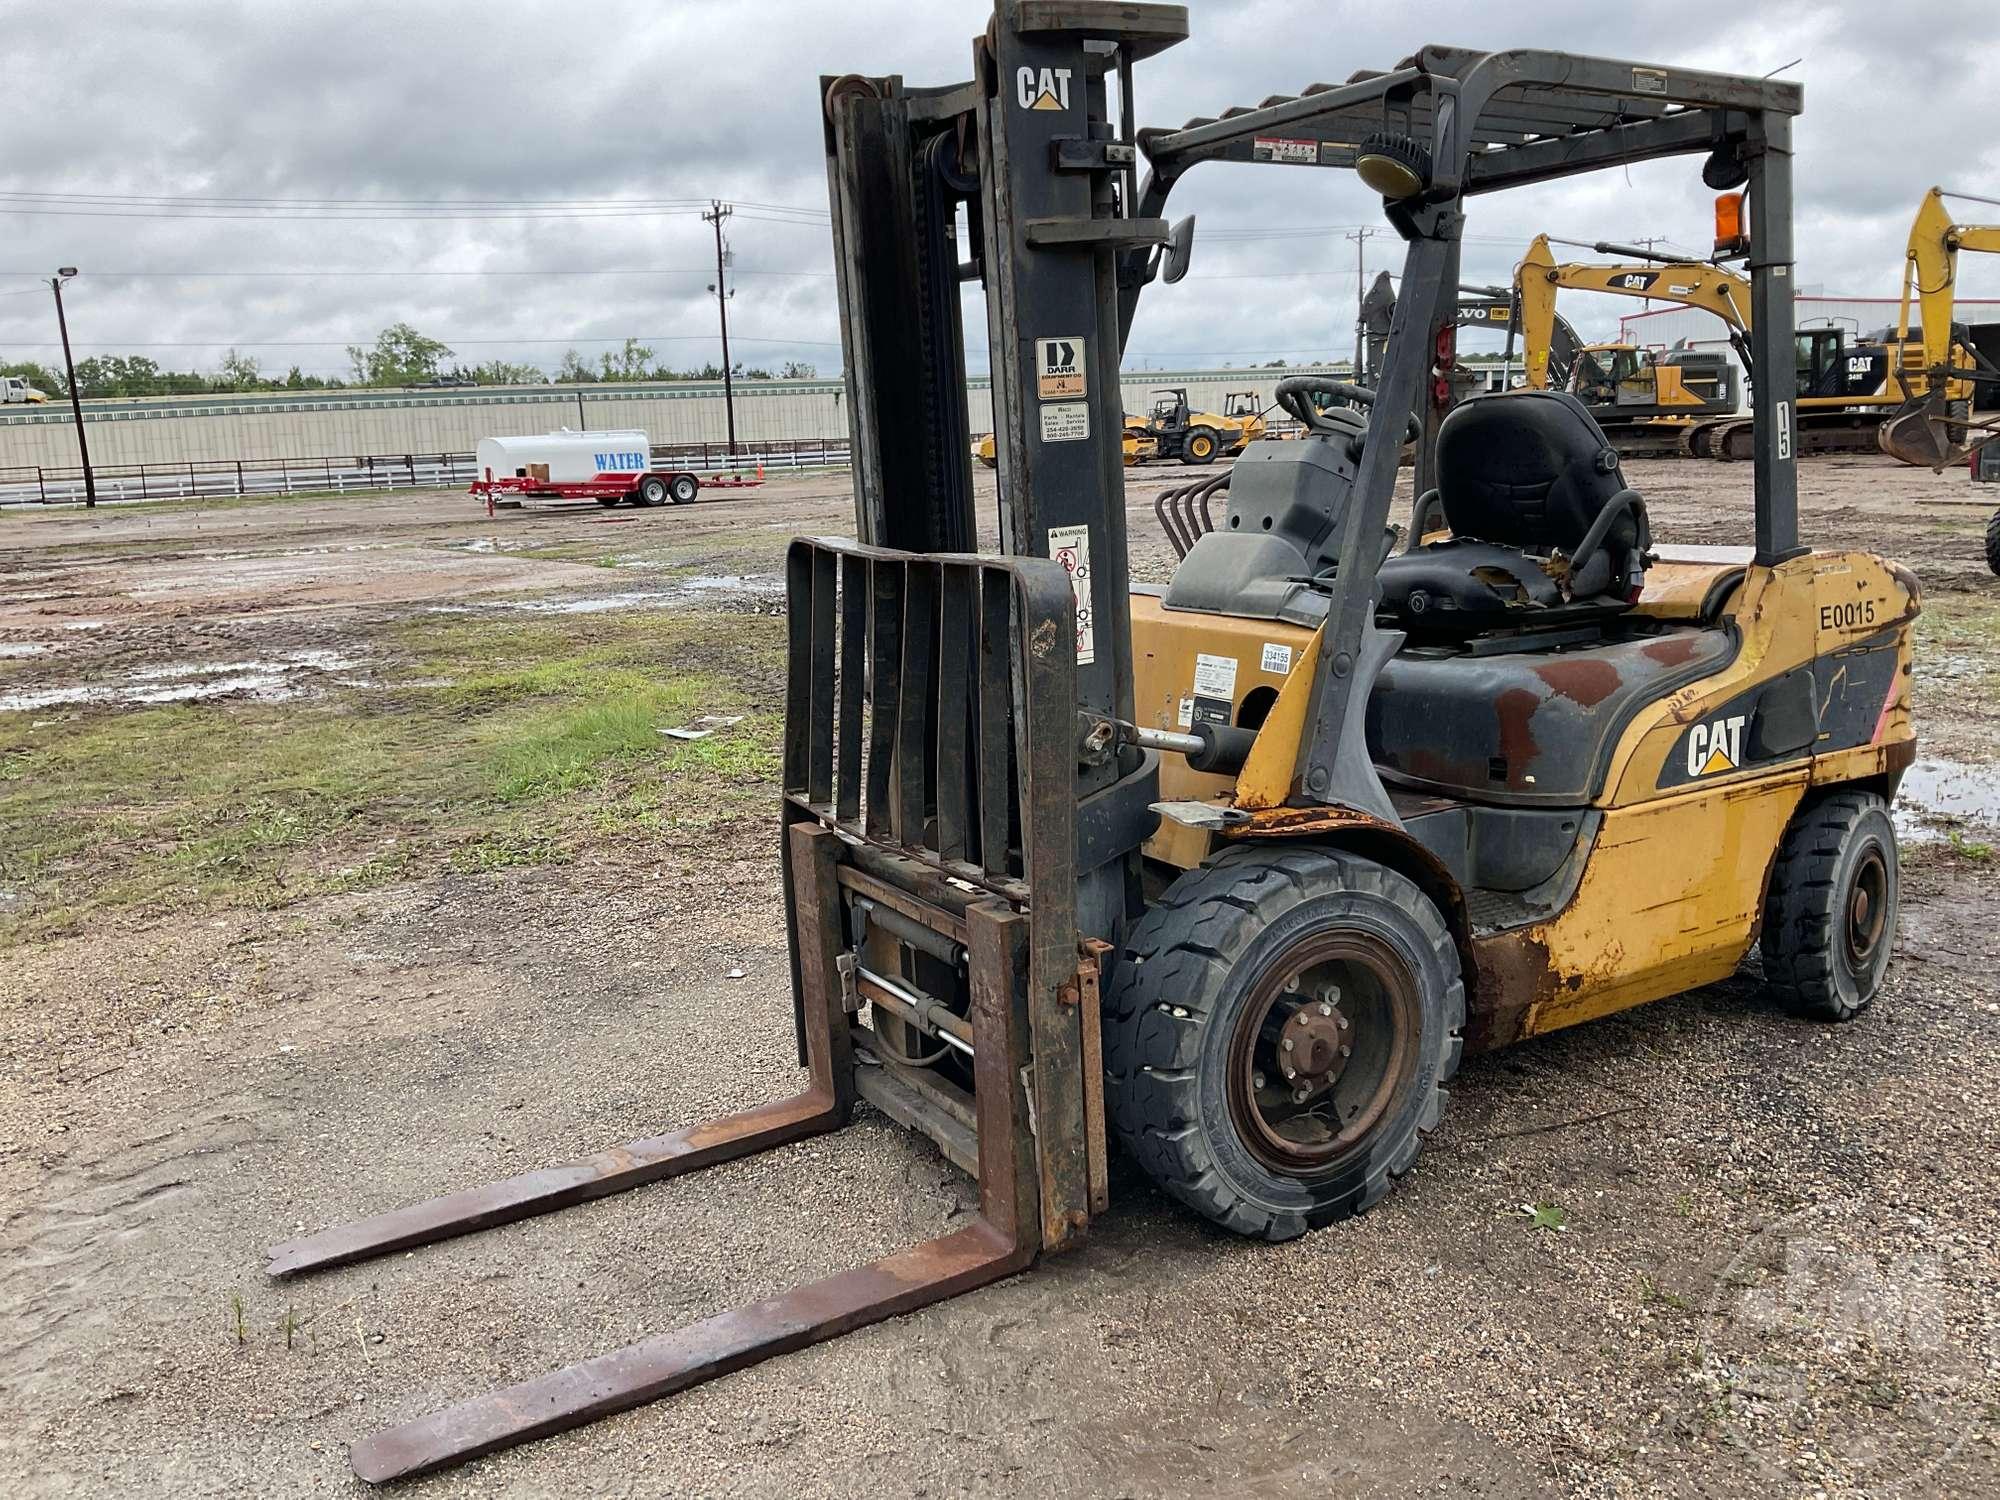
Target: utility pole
(718, 211)
(75, 402)
(1360, 238)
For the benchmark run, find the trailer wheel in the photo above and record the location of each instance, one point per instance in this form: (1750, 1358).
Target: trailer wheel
(1830, 914)
(1278, 1034)
(1993, 542)
(1200, 446)
(652, 490)
(685, 487)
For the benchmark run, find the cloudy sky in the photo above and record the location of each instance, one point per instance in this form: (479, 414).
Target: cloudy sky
(518, 177)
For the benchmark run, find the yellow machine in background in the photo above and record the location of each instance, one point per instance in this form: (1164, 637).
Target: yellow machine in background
(1177, 431)
(1139, 447)
(1174, 431)
(1935, 427)
(1686, 400)
(1710, 288)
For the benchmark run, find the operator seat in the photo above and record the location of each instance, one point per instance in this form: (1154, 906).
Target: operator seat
(1522, 475)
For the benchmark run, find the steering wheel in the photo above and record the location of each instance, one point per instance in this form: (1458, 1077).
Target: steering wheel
(1300, 386)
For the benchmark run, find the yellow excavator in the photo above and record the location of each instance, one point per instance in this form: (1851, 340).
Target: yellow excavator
(1934, 426)
(1645, 402)
(1651, 405)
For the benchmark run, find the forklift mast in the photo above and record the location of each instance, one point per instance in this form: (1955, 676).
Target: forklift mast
(1029, 164)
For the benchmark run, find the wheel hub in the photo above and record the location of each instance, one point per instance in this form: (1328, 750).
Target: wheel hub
(1313, 1047)
(1867, 909)
(1322, 1049)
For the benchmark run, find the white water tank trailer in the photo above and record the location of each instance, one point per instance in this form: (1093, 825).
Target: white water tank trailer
(608, 467)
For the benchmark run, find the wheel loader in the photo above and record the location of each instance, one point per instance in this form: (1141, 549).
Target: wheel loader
(1228, 874)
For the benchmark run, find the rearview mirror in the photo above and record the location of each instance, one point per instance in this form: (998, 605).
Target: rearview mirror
(1174, 255)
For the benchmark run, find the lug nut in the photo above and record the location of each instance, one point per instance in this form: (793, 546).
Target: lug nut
(1347, 1052)
(1288, 1044)
(1299, 1095)
(1256, 1080)
(1325, 1009)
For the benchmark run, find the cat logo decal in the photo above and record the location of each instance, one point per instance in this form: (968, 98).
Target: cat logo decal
(1715, 747)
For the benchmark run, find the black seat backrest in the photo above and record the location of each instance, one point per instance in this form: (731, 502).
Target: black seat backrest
(1527, 469)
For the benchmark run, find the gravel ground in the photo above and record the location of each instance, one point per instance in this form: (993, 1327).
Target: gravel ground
(1776, 1273)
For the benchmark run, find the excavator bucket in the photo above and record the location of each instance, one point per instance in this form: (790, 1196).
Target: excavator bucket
(929, 842)
(1925, 433)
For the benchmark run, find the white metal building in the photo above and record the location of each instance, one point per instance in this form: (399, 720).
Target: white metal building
(316, 425)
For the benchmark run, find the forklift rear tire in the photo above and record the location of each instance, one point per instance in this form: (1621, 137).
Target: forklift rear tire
(1199, 448)
(1957, 414)
(1278, 1035)
(1993, 542)
(1830, 914)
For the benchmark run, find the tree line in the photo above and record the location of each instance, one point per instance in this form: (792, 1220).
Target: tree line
(400, 356)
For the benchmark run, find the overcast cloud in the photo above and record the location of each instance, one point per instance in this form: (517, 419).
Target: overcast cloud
(435, 100)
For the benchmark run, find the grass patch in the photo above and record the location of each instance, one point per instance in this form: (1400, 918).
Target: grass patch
(515, 743)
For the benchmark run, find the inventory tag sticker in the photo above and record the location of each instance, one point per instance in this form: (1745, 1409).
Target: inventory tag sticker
(1065, 421)
(1215, 676)
(1277, 658)
(1059, 369)
(1070, 546)
(1186, 719)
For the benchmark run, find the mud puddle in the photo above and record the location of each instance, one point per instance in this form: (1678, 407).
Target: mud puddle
(277, 679)
(753, 586)
(1938, 793)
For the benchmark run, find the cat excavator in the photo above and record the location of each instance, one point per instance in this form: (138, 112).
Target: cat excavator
(1935, 427)
(1230, 873)
(1686, 400)
(1644, 402)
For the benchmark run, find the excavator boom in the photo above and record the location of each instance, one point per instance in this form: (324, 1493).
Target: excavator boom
(1926, 431)
(1539, 277)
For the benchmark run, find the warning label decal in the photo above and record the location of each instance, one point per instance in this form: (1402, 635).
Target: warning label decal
(1214, 676)
(1278, 148)
(1070, 546)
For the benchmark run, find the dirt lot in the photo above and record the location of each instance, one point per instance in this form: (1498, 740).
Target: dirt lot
(342, 861)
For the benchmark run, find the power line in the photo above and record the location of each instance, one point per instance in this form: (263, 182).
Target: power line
(157, 200)
(400, 216)
(552, 271)
(257, 343)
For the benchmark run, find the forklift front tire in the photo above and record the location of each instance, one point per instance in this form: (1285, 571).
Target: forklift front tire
(1830, 914)
(1278, 1036)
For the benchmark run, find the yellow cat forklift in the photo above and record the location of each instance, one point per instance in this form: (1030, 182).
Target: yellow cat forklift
(1231, 872)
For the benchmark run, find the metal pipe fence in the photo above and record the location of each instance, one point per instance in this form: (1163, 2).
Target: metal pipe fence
(132, 484)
